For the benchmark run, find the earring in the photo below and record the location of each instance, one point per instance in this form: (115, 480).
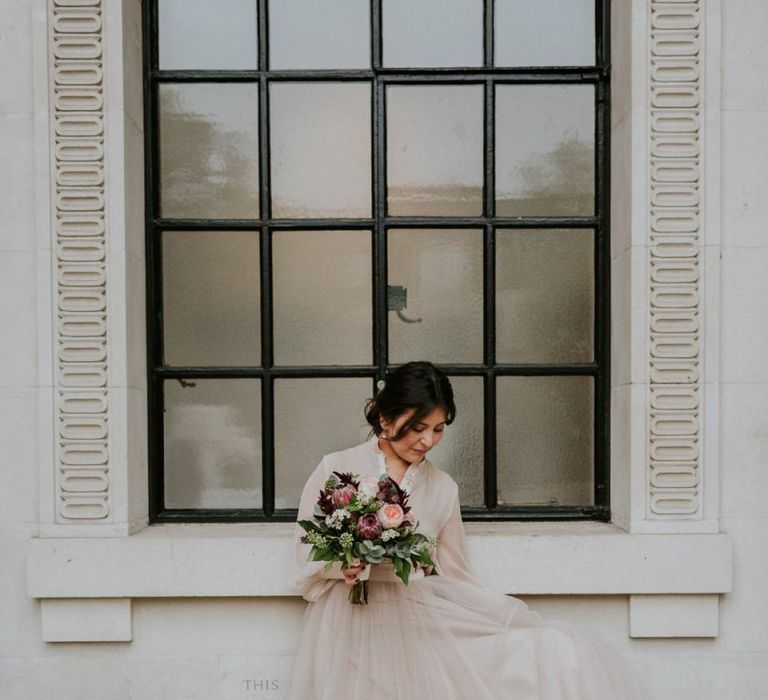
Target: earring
(384, 436)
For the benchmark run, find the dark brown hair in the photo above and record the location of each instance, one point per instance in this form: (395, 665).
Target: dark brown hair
(416, 385)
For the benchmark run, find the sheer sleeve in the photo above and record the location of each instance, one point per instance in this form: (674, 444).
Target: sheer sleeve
(452, 547)
(306, 578)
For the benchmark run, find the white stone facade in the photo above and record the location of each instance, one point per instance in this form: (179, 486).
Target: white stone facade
(678, 581)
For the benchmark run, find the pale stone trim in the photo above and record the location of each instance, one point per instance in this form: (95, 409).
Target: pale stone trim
(248, 559)
(86, 619)
(675, 260)
(82, 474)
(673, 616)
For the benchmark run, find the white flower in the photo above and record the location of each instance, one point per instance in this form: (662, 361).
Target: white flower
(389, 534)
(336, 519)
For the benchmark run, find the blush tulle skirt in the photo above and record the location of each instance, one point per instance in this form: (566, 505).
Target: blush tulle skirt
(443, 639)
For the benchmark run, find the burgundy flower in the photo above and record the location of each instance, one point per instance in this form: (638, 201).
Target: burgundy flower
(347, 479)
(369, 526)
(390, 492)
(326, 503)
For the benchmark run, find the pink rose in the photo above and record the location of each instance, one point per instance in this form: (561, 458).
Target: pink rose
(343, 496)
(390, 515)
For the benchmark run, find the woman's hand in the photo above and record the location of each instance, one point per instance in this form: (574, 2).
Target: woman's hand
(351, 575)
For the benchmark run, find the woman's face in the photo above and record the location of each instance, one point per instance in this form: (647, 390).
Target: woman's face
(420, 438)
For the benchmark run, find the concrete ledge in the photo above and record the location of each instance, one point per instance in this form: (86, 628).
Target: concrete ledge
(673, 615)
(86, 620)
(250, 559)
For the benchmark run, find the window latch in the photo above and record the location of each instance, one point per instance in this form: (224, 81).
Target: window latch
(397, 301)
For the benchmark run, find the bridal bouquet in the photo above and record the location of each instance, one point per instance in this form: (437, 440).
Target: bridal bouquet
(367, 519)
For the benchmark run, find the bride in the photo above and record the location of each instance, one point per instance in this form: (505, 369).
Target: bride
(446, 635)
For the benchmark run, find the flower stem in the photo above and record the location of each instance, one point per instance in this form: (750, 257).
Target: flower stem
(358, 594)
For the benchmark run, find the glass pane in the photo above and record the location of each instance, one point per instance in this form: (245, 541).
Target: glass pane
(314, 417)
(312, 34)
(213, 443)
(435, 150)
(460, 452)
(321, 149)
(545, 295)
(322, 304)
(545, 448)
(545, 150)
(432, 33)
(211, 313)
(209, 143)
(441, 272)
(198, 34)
(545, 33)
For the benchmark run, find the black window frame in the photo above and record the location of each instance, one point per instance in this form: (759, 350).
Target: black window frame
(378, 224)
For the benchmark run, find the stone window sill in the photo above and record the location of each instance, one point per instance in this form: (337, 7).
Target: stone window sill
(249, 559)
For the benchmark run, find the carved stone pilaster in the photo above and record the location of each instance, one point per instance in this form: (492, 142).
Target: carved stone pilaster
(77, 138)
(675, 170)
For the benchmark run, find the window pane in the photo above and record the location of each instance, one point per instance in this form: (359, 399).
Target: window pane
(545, 33)
(545, 438)
(314, 417)
(211, 312)
(322, 304)
(460, 452)
(544, 295)
(312, 34)
(435, 150)
(431, 33)
(209, 160)
(321, 149)
(442, 274)
(545, 150)
(199, 34)
(213, 443)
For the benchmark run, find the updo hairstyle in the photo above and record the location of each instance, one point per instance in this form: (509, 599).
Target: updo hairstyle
(415, 385)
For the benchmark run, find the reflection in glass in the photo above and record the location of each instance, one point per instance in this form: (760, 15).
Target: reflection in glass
(322, 297)
(312, 35)
(198, 34)
(545, 33)
(544, 295)
(212, 443)
(209, 150)
(545, 440)
(545, 150)
(321, 149)
(432, 33)
(314, 417)
(211, 296)
(442, 271)
(435, 150)
(460, 452)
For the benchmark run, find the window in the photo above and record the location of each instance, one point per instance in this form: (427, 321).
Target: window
(337, 187)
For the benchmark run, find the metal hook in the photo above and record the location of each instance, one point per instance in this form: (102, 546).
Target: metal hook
(397, 300)
(403, 317)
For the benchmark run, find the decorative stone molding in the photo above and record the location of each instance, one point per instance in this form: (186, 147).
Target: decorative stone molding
(675, 170)
(75, 51)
